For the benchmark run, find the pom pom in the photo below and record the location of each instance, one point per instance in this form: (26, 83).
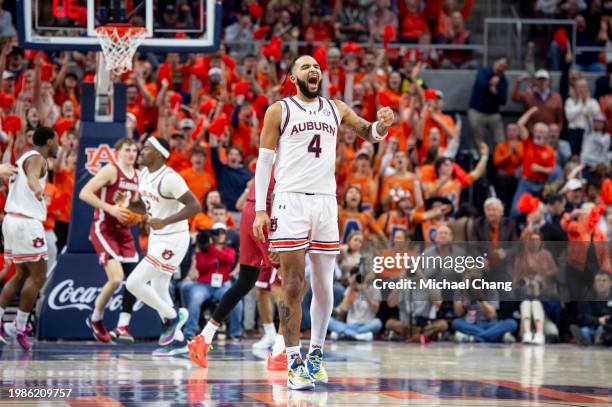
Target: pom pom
(320, 55)
(207, 106)
(388, 35)
(218, 125)
(261, 33)
(606, 191)
(175, 101)
(46, 72)
(527, 203)
(6, 101)
(11, 123)
(560, 37)
(241, 88)
(349, 47)
(256, 10)
(229, 62)
(273, 49)
(62, 125)
(333, 90)
(430, 94)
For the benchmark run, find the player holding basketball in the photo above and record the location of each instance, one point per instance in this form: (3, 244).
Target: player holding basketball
(169, 203)
(303, 131)
(254, 256)
(111, 191)
(24, 234)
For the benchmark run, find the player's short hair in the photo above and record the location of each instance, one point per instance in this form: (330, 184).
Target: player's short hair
(124, 141)
(42, 135)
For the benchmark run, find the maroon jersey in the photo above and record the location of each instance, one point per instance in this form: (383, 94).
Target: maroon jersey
(111, 194)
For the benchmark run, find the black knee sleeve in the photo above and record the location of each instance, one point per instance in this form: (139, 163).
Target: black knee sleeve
(128, 298)
(247, 277)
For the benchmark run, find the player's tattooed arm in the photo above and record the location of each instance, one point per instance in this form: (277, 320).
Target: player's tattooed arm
(361, 126)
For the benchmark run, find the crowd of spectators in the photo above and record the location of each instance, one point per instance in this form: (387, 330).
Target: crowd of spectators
(547, 176)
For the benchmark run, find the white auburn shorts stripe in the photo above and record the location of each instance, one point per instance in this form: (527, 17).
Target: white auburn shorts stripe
(305, 221)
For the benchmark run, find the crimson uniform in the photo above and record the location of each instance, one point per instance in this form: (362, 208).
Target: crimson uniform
(110, 238)
(253, 252)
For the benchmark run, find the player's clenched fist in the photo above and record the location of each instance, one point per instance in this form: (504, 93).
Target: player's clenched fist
(385, 117)
(260, 225)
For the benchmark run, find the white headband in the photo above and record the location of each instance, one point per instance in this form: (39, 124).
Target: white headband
(157, 145)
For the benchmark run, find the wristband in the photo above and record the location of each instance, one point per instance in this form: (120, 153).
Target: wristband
(375, 134)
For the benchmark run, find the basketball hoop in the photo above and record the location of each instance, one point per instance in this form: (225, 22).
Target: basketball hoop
(119, 43)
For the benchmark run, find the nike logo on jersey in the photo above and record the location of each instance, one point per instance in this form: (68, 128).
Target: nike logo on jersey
(308, 126)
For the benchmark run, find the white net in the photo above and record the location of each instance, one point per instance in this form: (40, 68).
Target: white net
(119, 45)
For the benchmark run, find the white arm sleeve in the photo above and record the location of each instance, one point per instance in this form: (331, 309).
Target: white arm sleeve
(263, 172)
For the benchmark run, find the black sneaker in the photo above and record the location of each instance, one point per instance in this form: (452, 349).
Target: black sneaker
(580, 338)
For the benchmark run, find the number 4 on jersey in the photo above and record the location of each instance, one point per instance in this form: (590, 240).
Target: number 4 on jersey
(315, 145)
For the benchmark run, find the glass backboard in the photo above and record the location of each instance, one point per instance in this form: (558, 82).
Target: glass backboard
(172, 25)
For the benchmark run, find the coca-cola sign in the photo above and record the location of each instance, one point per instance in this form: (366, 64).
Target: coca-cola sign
(66, 296)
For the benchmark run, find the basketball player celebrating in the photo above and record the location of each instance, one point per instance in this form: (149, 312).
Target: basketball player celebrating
(253, 256)
(169, 204)
(303, 131)
(110, 191)
(24, 234)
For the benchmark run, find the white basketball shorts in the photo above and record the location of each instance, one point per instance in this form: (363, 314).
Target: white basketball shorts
(304, 221)
(166, 252)
(24, 239)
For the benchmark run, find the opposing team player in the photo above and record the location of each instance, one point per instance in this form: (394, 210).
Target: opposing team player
(24, 234)
(303, 131)
(254, 255)
(111, 191)
(169, 203)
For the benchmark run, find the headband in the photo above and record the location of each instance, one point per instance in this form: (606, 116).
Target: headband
(157, 145)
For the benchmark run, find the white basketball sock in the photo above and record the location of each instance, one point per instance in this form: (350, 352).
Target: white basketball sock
(322, 283)
(293, 352)
(157, 294)
(279, 345)
(124, 319)
(269, 329)
(209, 332)
(97, 315)
(21, 320)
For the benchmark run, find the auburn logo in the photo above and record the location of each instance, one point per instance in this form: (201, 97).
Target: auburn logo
(38, 242)
(273, 224)
(167, 254)
(99, 156)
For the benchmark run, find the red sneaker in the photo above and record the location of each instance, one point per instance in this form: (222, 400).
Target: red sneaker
(99, 330)
(121, 334)
(279, 362)
(198, 348)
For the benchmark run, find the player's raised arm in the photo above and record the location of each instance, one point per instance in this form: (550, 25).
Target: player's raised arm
(33, 168)
(270, 135)
(372, 132)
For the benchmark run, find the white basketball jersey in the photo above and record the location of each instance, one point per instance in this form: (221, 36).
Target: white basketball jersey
(21, 198)
(160, 191)
(306, 154)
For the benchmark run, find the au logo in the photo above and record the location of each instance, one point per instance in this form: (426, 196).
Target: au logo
(97, 157)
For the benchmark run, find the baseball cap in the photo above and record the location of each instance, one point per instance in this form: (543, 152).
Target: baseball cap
(7, 75)
(572, 185)
(542, 74)
(219, 226)
(215, 71)
(186, 124)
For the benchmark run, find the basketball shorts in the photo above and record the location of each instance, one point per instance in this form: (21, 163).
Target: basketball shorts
(268, 277)
(253, 252)
(112, 243)
(24, 239)
(305, 221)
(166, 252)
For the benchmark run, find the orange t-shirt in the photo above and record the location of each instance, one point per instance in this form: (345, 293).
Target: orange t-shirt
(199, 183)
(404, 182)
(53, 199)
(391, 221)
(534, 154)
(138, 110)
(451, 190)
(369, 190)
(506, 160)
(392, 97)
(64, 181)
(429, 228)
(178, 161)
(351, 221)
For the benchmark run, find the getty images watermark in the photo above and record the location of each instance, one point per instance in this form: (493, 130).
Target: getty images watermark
(410, 263)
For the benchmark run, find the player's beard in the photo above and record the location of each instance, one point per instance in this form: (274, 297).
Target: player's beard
(306, 92)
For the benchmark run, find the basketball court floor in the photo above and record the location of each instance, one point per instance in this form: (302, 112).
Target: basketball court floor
(379, 373)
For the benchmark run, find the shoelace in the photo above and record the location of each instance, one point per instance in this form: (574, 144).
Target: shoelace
(315, 361)
(301, 370)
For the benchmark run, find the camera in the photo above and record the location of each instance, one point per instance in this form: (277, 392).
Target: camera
(204, 238)
(359, 275)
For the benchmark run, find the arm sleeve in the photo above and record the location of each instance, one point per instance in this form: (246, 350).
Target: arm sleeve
(263, 173)
(173, 185)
